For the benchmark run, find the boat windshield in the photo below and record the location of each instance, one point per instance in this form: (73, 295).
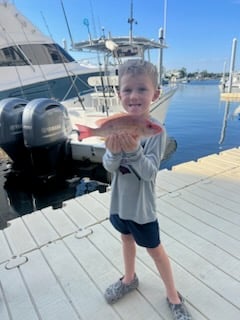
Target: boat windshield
(35, 54)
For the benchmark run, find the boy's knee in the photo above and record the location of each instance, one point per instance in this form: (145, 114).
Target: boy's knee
(156, 252)
(127, 238)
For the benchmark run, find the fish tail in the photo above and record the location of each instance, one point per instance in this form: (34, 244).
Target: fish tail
(84, 132)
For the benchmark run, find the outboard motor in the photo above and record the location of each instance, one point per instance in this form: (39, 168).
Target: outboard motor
(46, 131)
(11, 132)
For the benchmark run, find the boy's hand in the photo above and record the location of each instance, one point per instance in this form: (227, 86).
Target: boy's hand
(113, 144)
(128, 142)
(125, 142)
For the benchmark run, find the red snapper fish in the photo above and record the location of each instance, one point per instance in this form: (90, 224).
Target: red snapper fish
(122, 122)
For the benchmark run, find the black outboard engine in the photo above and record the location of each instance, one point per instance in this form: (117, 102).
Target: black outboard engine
(11, 132)
(46, 131)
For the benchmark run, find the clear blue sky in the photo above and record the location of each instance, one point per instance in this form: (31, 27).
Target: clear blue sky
(199, 33)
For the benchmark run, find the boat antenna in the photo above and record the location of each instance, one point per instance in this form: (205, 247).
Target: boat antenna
(101, 72)
(69, 31)
(161, 38)
(164, 19)
(232, 64)
(131, 20)
(160, 62)
(86, 23)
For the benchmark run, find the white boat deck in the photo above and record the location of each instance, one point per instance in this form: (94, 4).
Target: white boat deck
(56, 264)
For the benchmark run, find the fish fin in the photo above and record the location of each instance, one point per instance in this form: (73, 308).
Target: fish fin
(101, 122)
(84, 132)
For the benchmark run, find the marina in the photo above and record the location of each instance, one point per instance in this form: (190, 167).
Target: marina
(58, 250)
(75, 251)
(44, 92)
(196, 121)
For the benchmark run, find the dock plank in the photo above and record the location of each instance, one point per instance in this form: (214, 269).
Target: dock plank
(195, 291)
(231, 156)
(197, 266)
(49, 299)
(15, 302)
(94, 207)
(229, 228)
(103, 273)
(216, 189)
(218, 161)
(215, 236)
(208, 206)
(109, 246)
(73, 275)
(215, 198)
(172, 231)
(39, 228)
(18, 237)
(57, 263)
(78, 214)
(60, 221)
(181, 180)
(5, 251)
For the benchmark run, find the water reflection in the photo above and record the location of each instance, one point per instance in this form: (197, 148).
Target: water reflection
(231, 111)
(224, 124)
(24, 196)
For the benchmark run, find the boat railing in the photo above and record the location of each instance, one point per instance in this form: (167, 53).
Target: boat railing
(169, 88)
(105, 91)
(103, 80)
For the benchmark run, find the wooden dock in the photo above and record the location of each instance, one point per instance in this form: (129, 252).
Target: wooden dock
(56, 264)
(230, 96)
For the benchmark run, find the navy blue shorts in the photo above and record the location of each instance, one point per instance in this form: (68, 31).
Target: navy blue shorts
(146, 235)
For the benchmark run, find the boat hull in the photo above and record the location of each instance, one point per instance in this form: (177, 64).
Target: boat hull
(60, 89)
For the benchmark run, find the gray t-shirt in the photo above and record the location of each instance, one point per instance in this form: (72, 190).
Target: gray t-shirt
(133, 179)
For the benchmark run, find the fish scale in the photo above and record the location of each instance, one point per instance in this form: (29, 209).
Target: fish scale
(128, 123)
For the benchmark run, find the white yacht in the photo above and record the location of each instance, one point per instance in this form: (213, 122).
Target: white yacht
(42, 85)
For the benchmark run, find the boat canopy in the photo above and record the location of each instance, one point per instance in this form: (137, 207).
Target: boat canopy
(100, 45)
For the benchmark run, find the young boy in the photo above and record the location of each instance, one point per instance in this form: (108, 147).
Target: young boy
(134, 164)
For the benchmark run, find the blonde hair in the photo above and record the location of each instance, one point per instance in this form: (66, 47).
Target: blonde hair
(136, 67)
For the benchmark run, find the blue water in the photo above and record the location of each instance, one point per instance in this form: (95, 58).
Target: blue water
(195, 120)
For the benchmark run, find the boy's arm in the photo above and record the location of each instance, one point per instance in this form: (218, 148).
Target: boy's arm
(111, 161)
(146, 163)
(113, 154)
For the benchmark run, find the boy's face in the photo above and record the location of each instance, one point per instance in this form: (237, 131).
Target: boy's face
(137, 92)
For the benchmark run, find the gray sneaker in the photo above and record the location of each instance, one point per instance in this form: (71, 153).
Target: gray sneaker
(179, 311)
(118, 289)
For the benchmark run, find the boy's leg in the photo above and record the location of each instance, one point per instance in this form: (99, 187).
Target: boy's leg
(174, 299)
(163, 265)
(129, 255)
(129, 281)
